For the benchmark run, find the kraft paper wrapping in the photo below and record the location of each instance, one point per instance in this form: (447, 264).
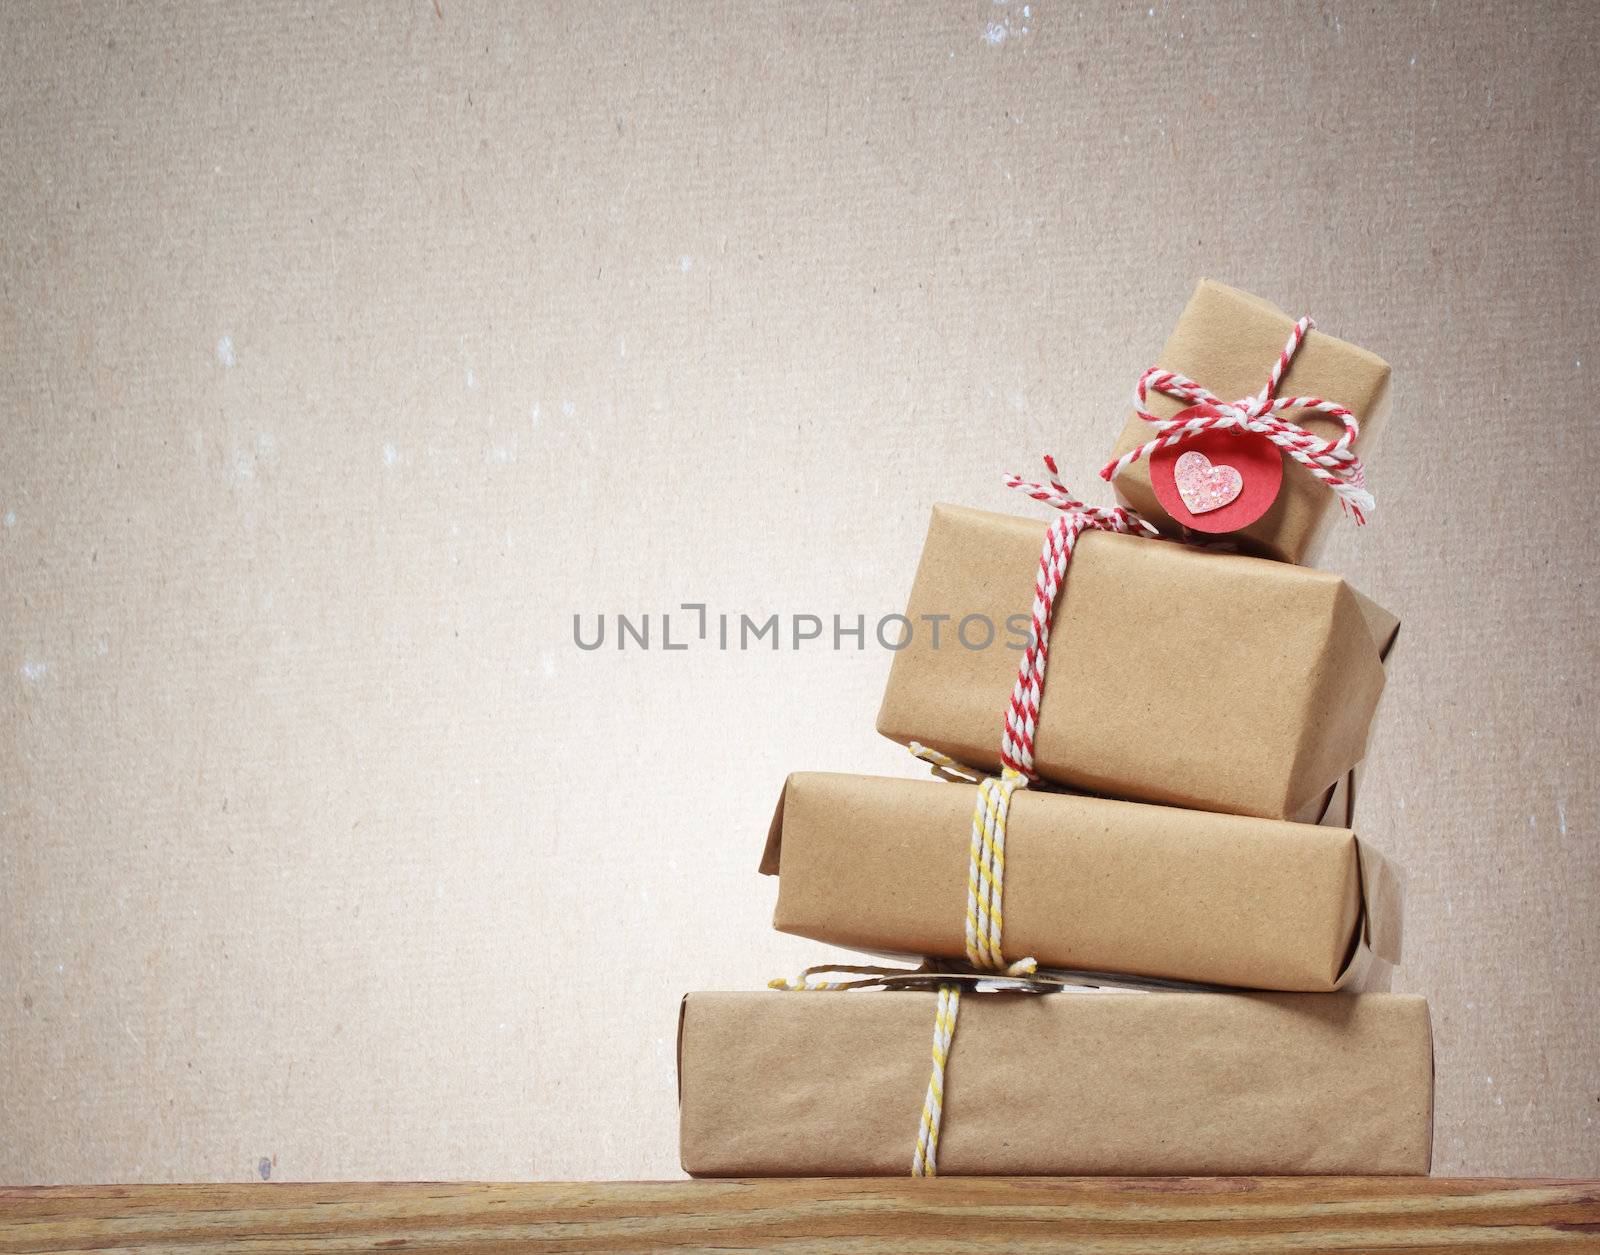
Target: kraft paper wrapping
(1227, 340)
(881, 865)
(1183, 1084)
(1176, 675)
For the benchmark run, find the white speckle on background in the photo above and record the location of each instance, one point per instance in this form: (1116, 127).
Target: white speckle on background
(11, 518)
(622, 346)
(997, 32)
(547, 663)
(225, 353)
(33, 672)
(568, 408)
(102, 647)
(472, 379)
(535, 414)
(1561, 815)
(685, 263)
(391, 455)
(500, 453)
(1413, 61)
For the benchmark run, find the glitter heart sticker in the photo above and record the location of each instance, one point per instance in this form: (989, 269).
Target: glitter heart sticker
(1204, 485)
(1217, 481)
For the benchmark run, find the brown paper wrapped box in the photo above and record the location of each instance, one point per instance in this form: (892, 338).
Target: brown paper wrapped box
(1226, 341)
(1094, 885)
(1181, 1084)
(1176, 675)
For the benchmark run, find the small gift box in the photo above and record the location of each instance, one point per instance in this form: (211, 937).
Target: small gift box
(1075, 1083)
(1179, 676)
(1114, 887)
(1230, 344)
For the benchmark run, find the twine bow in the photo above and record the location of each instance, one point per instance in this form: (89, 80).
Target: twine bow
(1333, 462)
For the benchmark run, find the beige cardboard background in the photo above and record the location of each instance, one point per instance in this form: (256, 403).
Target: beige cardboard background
(348, 351)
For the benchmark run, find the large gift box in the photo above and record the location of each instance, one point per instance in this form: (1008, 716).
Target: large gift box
(1187, 677)
(1226, 341)
(1093, 885)
(824, 1084)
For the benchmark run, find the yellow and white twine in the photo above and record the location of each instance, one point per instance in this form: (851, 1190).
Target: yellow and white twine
(986, 875)
(925, 1163)
(986, 867)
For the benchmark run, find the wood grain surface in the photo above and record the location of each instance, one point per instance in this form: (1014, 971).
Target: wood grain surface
(1111, 1214)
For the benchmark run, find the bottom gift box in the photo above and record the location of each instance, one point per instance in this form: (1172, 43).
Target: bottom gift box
(1073, 1083)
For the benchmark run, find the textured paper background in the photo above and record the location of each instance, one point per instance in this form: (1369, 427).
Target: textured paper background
(346, 352)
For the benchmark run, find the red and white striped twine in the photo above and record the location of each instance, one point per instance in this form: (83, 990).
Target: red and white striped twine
(1016, 742)
(1332, 461)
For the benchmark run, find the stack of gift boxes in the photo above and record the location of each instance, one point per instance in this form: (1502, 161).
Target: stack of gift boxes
(1169, 806)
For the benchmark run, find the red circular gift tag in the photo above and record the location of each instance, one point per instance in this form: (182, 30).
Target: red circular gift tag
(1218, 481)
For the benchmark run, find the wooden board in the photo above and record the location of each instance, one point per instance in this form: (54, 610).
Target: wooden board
(1103, 1215)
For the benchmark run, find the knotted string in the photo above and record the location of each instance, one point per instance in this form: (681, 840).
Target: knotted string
(1333, 462)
